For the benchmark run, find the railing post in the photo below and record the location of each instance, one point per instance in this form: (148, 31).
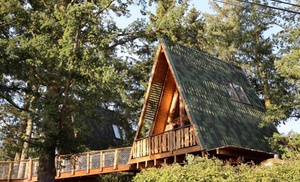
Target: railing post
(101, 161)
(88, 163)
(10, 171)
(73, 163)
(149, 146)
(30, 170)
(58, 166)
(116, 159)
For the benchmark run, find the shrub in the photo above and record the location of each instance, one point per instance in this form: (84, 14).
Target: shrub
(204, 169)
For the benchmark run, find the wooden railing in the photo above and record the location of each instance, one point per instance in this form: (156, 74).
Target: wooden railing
(165, 142)
(27, 169)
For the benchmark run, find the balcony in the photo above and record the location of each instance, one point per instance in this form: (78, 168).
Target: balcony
(169, 143)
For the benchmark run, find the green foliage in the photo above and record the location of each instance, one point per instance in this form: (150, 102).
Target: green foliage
(203, 169)
(287, 145)
(59, 62)
(288, 65)
(120, 177)
(178, 22)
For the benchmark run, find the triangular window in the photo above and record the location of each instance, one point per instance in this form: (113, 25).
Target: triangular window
(237, 93)
(231, 91)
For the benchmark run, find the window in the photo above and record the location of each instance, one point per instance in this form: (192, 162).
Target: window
(237, 93)
(116, 131)
(231, 92)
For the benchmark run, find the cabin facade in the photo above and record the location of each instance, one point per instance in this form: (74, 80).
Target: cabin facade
(197, 104)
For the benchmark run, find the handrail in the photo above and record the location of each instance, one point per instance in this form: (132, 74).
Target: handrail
(174, 129)
(72, 163)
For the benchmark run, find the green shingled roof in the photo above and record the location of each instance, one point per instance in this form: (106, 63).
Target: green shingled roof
(219, 120)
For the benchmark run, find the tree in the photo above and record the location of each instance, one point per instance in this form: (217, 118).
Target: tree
(240, 30)
(288, 146)
(288, 64)
(178, 22)
(63, 54)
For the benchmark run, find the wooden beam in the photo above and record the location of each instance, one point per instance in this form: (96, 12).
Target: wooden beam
(242, 153)
(82, 173)
(172, 111)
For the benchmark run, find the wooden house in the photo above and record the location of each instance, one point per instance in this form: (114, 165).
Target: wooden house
(197, 104)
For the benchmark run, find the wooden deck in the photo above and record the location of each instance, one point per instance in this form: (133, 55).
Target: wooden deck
(166, 145)
(69, 166)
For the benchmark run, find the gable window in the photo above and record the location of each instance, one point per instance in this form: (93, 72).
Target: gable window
(237, 93)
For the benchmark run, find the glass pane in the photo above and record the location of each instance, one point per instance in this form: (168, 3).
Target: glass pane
(241, 94)
(231, 92)
(116, 131)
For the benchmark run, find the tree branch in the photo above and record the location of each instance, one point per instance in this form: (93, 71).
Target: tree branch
(101, 10)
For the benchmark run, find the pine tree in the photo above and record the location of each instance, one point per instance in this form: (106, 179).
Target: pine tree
(63, 54)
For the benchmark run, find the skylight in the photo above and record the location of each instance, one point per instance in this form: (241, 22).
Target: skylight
(116, 131)
(237, 93)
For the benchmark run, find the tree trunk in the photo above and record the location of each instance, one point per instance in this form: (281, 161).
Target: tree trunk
(47, 170)
(24, 154)
(22, 129)
(20, 134)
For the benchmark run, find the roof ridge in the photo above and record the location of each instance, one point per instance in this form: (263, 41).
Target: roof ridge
(202, 52)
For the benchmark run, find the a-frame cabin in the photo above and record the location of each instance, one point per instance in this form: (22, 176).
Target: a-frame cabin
(197, 104)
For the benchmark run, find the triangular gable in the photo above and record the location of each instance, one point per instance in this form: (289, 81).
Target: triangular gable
(202, 83)
(163, 100)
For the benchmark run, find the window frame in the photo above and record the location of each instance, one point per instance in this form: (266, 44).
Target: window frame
(237, 93)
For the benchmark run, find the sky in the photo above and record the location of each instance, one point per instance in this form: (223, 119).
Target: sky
(203, 5)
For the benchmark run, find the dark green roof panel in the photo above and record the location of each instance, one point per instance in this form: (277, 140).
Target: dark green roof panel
(219, 120)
